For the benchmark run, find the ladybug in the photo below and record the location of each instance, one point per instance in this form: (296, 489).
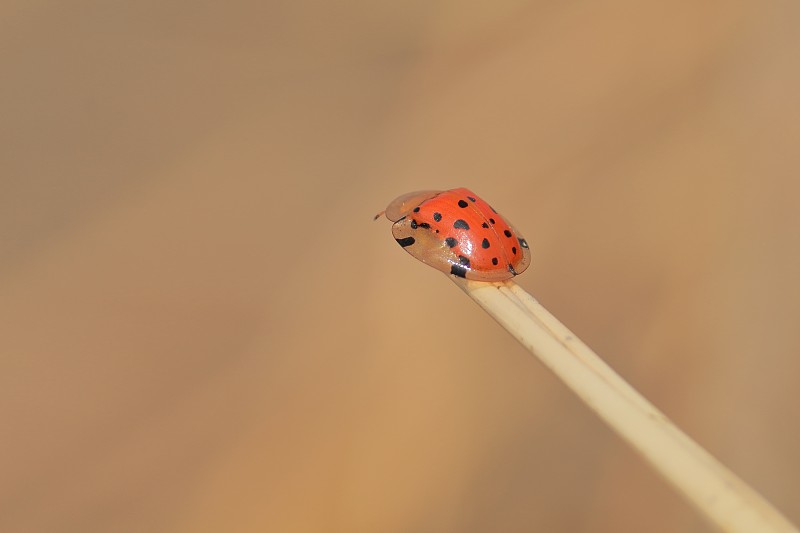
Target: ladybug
(458, 233)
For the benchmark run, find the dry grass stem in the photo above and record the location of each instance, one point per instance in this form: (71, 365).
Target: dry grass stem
(722, 497)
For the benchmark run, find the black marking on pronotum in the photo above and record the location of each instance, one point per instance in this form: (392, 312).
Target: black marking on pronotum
(451, 242)
(414, 224)
(458, 270)
(416, 209)
(424, 225)
(514, 250)
(485, 243)
(437, 217)
(511, 269)
(485, 225)
(494, 261)
(507, 233)
(463, 260)
(491, 220)
(460, 224)
(407, 241)
(523, 243)
(471, 199)
(462, 204)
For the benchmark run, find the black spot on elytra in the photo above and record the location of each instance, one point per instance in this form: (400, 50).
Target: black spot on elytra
(424, 225)
(485, 243)
(494, 261)
(416, 209)
(451, 242)
(437, 217)
(514, 250)
(523, 243)
(491, 220)
(460, 224)
(408, 241)
(462, 204)
(463, 260)
(507, 233)
(470, 198)
(485, 225)
(458, 270)
(414, 224)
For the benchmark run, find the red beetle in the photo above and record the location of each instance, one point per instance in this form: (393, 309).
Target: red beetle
(458, 233)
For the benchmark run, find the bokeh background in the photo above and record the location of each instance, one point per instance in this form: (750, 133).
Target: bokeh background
(202, 329)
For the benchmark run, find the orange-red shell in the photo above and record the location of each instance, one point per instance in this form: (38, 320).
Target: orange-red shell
(458, 233)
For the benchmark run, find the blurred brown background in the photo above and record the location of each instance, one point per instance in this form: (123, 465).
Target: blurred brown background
(202, 330)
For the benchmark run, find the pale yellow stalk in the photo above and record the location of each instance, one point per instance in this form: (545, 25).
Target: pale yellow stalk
(722, 497)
